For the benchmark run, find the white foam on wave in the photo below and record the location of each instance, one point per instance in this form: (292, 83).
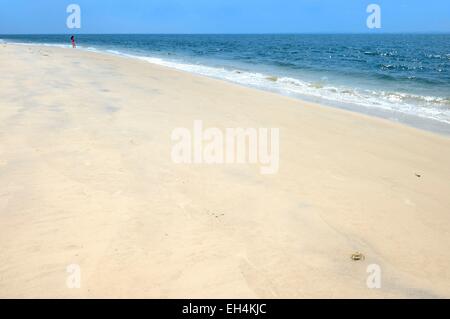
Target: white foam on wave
(427, 107)
(56, 45)
(114, 52)
(90, 49)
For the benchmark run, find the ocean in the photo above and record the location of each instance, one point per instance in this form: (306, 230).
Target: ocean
(404, 78)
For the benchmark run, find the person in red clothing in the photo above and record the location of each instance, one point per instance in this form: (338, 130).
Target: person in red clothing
(73, 42)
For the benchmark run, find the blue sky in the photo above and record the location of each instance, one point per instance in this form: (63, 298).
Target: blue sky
(223, 16)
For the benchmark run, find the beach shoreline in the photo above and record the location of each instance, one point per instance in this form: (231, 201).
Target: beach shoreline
(379, 85)
(85, 144)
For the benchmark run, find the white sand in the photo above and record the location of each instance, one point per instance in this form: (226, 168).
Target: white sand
(86, 178)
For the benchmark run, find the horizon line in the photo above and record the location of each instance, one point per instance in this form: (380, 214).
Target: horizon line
(246, 33)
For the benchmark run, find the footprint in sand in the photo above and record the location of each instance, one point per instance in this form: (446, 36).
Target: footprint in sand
(215, 215)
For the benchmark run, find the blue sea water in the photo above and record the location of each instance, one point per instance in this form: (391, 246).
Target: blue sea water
(402, 77)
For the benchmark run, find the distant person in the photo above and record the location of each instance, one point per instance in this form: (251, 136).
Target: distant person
(72, 38)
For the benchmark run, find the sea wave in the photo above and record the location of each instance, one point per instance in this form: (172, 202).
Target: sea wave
(40, 44)
(428, 107)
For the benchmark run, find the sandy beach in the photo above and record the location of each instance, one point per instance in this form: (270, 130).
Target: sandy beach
(86, 178)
